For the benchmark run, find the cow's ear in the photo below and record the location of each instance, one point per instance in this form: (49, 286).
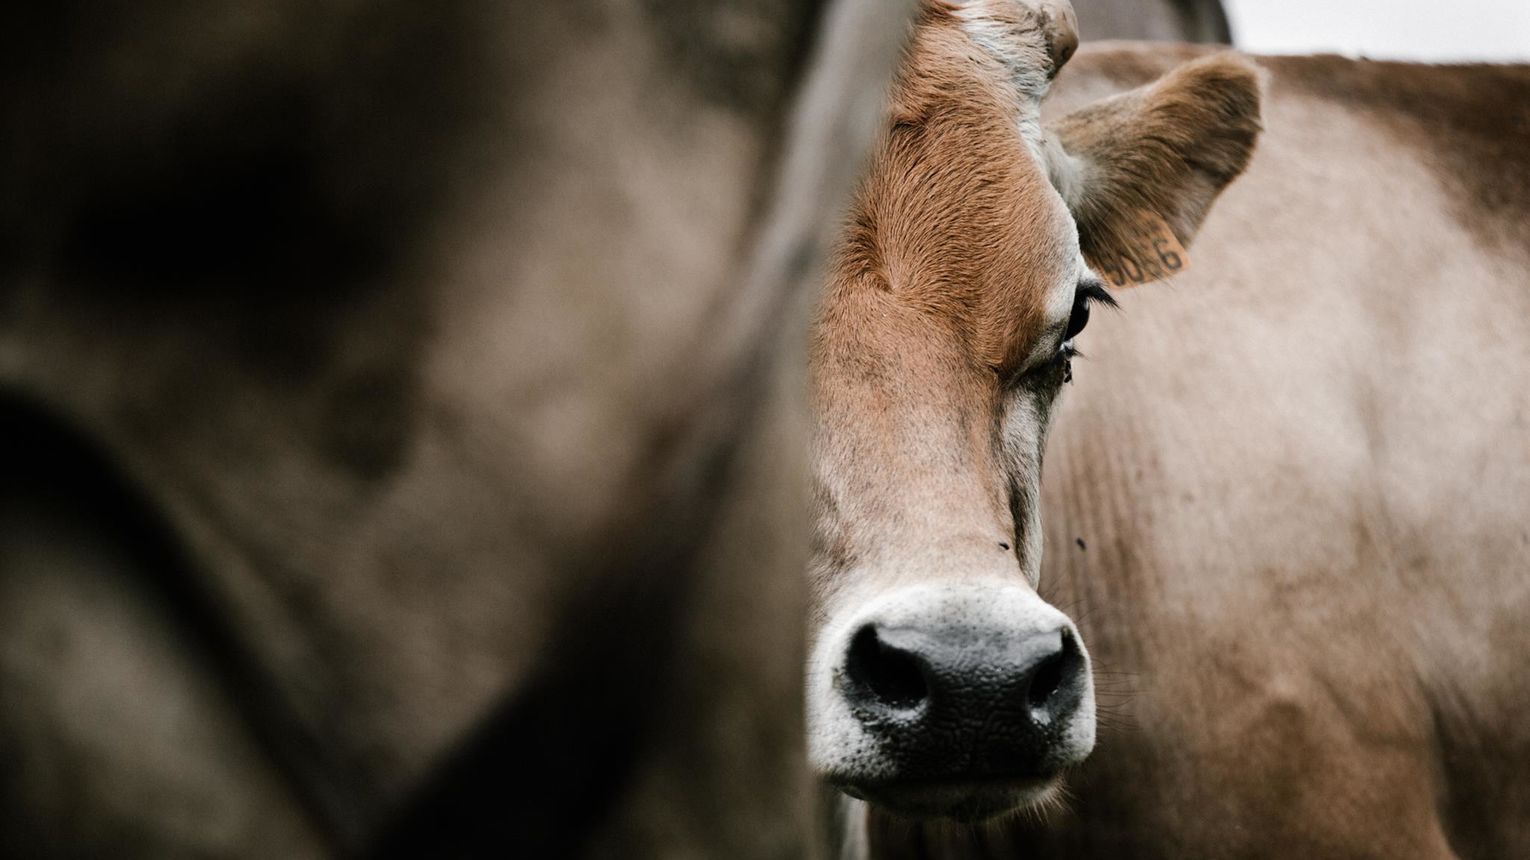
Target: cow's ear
(1153, 159)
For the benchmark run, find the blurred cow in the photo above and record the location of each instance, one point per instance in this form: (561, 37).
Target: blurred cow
(404, 441)
(1155, 20)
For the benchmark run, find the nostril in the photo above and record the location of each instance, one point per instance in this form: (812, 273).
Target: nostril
(1044, 683)
(892, 676)
(1050, 676)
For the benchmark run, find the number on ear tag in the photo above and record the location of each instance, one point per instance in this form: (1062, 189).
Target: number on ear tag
(1146, 251)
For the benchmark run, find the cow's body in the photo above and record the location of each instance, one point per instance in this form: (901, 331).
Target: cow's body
(1287, 497)
(403, 423)
(1155, 20)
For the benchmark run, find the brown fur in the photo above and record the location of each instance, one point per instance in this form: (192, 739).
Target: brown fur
(957, 239)
(944, 220)
(1287, 498)
(938, 288)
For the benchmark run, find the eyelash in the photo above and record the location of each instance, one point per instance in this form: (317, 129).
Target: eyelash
(1066, 353)
(1089, 293)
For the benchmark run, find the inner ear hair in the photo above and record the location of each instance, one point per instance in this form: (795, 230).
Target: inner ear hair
(1165, 149)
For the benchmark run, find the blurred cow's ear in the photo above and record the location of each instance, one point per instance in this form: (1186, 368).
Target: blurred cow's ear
(1150, 161)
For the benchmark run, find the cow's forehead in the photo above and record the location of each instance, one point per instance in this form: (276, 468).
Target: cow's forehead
(1031, 41)
(1034, 38)
(971, 149)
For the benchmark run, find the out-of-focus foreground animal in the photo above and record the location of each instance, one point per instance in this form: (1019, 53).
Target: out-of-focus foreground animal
(1155, 20)
(1286, 499)
(403, 430)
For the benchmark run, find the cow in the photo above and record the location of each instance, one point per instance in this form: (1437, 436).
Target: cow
(940, 683)
(1285, 498)
(390, 393)
(403, 421)
(1154, 20)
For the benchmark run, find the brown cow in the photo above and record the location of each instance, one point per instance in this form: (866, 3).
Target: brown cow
(1290, 491)
(1286, 498)
(940, 684)
(403, 421)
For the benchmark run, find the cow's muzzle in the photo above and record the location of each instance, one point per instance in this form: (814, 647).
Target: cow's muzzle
(962, 702)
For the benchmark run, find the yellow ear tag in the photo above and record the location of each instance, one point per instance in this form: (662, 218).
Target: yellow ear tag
(1147, 250)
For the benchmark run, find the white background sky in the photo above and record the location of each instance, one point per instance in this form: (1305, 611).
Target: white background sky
(1430, 30)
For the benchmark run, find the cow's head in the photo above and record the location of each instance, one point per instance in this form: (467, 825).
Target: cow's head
(939, 682)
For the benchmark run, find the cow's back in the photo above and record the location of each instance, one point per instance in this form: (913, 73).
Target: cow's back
(1157, 20)
(1287, 496)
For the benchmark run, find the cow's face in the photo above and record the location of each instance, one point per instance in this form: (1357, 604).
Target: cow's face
(940, 683)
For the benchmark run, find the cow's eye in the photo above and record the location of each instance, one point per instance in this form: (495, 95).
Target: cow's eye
(1079, 318)
(1089, 291)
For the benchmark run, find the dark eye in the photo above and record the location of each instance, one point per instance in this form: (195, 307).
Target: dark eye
(1089, 291)
(1080, 316)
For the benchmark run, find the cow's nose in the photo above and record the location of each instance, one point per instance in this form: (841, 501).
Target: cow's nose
(954, 700)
